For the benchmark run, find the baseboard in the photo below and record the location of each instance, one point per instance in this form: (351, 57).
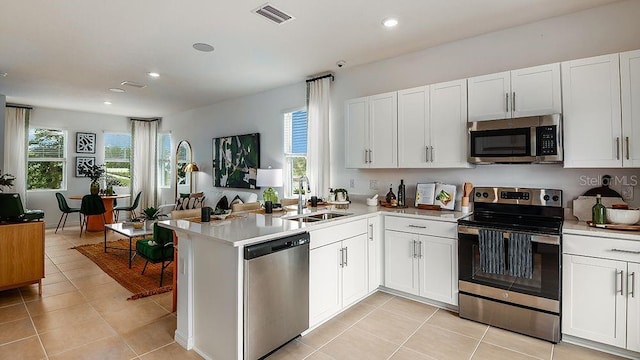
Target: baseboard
(186, 343)
(420, 299)
(600, 347)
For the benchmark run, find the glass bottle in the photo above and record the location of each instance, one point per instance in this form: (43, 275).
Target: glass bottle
(598, 212)
(391, 197)
(401, 193)
(332, 195)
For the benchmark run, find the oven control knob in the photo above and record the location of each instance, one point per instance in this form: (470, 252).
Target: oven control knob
(555, 198)
(486, 195)
(505, 295)
(546, 198)
(478, 194)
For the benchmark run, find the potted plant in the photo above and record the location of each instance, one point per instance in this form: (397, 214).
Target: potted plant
(111, 182)
(93, 172)
(6, 180)
(151, 215)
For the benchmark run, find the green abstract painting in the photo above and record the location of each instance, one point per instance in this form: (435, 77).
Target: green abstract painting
(236, 160)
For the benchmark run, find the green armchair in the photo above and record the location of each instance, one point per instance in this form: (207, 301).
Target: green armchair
(158, 249)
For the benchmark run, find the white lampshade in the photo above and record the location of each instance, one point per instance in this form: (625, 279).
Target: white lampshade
(269, 177)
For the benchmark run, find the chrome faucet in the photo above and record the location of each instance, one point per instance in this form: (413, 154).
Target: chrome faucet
(301, 180)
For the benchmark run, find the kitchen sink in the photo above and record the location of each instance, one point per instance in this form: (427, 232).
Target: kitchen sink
(315, 217)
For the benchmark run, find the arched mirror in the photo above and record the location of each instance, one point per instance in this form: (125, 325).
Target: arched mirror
(183, 178)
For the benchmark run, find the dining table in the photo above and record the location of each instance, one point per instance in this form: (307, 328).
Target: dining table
(94, 223)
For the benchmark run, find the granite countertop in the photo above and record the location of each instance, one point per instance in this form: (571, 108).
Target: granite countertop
(249, 227)
(582, 228)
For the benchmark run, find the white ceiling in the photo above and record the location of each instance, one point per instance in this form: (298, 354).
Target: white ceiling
(67, 54)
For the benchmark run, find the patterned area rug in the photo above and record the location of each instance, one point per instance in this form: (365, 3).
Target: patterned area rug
(114, 262)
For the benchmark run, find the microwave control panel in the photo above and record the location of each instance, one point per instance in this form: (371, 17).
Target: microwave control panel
(546, 140)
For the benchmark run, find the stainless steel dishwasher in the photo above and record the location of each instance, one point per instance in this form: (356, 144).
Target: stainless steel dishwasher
(276, 294)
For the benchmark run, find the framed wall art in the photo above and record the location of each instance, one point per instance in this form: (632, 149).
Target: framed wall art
(236, 160)
(84, 161)
(85, 143)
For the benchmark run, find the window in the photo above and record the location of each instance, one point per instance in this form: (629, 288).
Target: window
(117, 159)
(295, 149)
(164, 160)
(46, 159)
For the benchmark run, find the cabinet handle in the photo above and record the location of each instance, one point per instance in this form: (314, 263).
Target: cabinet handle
(621, 291)
(370, 156)
(341, 257)
(506, 102)
(617, 148)
(626, 251)
(417, 226)
(432, 157)
(633, 284)
(414, 255)
(371, 228)
(626, 140)
(419, 249)
(426, 153)
(366, 157)
(346, 256)
(513, 101)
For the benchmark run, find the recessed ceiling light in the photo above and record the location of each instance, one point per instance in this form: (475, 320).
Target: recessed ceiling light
(116, 90)
(390, 22)
(153, 74)
(107, 102)
(203, 47)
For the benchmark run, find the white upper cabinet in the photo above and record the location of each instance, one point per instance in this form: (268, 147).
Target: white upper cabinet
(357, 130)
(371, 135)
(525, 92)
(448, 132)
(489, 97)
(383, 115)
(630, 85)
(592, 114)
(413, 127)
(432, 126)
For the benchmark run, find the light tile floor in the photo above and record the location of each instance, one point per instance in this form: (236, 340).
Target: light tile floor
(84, 314)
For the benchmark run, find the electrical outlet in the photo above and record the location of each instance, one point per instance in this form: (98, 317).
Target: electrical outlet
(627, 193)
(352, 183)
(373, 184)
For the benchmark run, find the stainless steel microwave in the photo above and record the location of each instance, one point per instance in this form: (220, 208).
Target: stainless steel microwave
(535, 139)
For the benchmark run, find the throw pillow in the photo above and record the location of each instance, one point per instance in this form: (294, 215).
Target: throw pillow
(223, 204)
(189, 203)
(236, 200)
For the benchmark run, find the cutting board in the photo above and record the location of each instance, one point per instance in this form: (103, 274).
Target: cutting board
(583, 204)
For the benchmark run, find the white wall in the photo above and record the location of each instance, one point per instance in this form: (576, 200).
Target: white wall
(261, 113)
(597, 31)
(72, 122)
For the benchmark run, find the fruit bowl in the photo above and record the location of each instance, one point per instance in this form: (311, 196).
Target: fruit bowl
(623, 216)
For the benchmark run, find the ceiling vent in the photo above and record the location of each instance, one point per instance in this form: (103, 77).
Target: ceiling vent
(133, 84)
(272, 14)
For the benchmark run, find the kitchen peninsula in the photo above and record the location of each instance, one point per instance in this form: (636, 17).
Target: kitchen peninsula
(211, 267)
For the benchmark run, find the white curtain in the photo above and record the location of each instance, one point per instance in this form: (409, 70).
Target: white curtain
(319, 108)
(145, 135)
(15, 154)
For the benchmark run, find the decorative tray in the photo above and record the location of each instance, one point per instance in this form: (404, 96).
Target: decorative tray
(615, 226)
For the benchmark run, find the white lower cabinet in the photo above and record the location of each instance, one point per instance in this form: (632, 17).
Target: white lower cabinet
(600, 300)
(338, 269)
(419, 263)
(374, 252)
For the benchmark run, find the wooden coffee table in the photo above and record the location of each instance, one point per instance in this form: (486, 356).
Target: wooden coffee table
(128, 231)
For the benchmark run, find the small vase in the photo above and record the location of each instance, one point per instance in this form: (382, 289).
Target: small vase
(95, 188)
(148, 224)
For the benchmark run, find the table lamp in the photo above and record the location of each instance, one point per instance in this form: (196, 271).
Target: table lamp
(190, 167)
(269, 177)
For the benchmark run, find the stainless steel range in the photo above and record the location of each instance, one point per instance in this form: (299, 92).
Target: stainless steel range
(509, 260)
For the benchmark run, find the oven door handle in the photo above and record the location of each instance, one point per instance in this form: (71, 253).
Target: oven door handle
(538, 238)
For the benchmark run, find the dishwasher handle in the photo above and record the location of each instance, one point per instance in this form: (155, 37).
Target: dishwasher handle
(276, 245)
